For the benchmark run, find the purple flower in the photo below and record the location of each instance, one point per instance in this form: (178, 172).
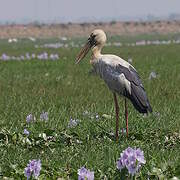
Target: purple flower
(130, 60)
(26, 132)
(43, 56)
(132, 159)
(120, 164)
(22, 57)
(73, 123)
(44, 116)
(33, 56)
(152, 75)
(54, 56)
(28, 56)
(97, 116)
(28, 172)
(85, 174)
(33, 169)
(132, 169)
(140, 156)
(5, 57)
(30, 118)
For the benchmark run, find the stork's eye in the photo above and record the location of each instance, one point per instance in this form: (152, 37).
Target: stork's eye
(92, 40)
(92, 36)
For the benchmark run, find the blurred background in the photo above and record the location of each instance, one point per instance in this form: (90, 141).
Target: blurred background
(20, 18)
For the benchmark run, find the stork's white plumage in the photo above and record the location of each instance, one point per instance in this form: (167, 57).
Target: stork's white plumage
(120, 76)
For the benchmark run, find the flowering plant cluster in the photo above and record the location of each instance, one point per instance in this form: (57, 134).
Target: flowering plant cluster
(26, 132)
(30, 118)
(27, 56)
(33, 169)
(73, 123)
(132, 159)
(85, 174)
(44, 116)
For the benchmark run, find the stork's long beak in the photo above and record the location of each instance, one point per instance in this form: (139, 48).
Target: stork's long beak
(84, 51)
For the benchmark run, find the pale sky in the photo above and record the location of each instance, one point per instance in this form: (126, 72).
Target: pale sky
(75, 10)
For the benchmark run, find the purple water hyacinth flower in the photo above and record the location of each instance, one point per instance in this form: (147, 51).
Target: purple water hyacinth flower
(152, 75)
(130, 60)
(22, 57)
(140, 156)
(44, 116)
(97, 116)
(85, 174)
(132, 159)
(120, 164)
(73, 123)
(43, 56)
(82, 173)
(28, 172)
(28, 57)
(26, 132)
(5, 57)
(33, 169)
(33, 56)
(54, 56)
(30, 118)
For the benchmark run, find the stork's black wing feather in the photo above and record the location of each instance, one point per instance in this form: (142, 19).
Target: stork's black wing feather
(130, 74)
(138, 95)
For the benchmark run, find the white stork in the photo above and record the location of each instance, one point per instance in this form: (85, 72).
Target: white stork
(120, 76)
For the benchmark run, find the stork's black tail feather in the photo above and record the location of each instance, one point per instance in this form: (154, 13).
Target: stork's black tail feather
(139, 99)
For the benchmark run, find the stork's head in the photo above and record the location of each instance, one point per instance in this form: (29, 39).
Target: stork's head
(97, 39)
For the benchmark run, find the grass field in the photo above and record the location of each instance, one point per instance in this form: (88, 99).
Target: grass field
(66, 91)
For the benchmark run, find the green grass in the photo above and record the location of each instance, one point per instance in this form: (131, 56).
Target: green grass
(65, 91)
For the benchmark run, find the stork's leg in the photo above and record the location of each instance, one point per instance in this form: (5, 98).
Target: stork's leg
(126, 116)
(117, 116)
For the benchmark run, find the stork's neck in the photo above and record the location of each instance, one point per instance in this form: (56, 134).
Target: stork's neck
(96, 52)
